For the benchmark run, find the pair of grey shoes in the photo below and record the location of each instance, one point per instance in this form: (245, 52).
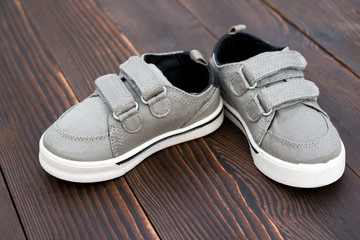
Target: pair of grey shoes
(161, 100)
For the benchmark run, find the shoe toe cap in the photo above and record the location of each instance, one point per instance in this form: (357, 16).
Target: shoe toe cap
(302, 135)
(81, 133)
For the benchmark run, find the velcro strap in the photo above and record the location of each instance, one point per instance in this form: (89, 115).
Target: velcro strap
(114, 92)
(268, 63)
(281, 75)
(280, 95)
(291, 91)
(239, 85)
(144, 77)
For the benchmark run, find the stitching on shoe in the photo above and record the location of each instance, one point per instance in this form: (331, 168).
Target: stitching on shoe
(302, 145)
(259, 131)
(285, 96)
(180, 99)
(210, 99)
(116, 136)
(195, 99)
(259, 72)
(80, 138)
(236, 91)
(113, 141)
(161, 114)
(297, 145)
(247, 112)
(128, 119)
(117, 141)
(261, 128)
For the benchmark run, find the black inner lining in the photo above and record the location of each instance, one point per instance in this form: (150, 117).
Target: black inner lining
(181, 71)
(239, 47)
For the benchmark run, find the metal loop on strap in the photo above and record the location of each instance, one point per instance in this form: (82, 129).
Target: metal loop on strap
(118, 117)
(146, 102)
(252, 87)
(267, 113)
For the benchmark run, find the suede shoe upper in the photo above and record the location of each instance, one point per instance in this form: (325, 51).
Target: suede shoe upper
(266, 86)
(150, 97)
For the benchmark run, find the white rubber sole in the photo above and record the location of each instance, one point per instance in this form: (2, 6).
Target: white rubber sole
(97, 171)
(295, 175)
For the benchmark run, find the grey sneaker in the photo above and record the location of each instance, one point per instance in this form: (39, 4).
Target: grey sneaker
(155, 102)
(291, 138)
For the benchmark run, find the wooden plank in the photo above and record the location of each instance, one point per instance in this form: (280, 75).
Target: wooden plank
(187, 194)
(82, 40)
(298, 213)
(33, 93)
(157, 25)
(339, 88)
(10, 226)
(332, 24)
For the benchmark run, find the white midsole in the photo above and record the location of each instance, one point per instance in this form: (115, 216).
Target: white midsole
(95, 171)
(298, 175)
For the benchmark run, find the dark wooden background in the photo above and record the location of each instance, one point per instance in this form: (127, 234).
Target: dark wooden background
(51, 52)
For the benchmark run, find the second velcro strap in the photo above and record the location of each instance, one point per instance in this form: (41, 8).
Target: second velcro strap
(295, 90)
(148, 83)
(268, 63)
(280, 95)
(123, 105)
(113, 91)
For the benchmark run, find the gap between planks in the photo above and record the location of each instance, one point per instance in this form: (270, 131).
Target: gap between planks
(318, 44)
(13, 203)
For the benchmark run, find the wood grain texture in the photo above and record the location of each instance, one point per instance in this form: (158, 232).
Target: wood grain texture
(329, 212)
(189, 195)
(157, 25)
(339, 88)
(335, 25)
(10, 226)
(33, 92)
(82, 40)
